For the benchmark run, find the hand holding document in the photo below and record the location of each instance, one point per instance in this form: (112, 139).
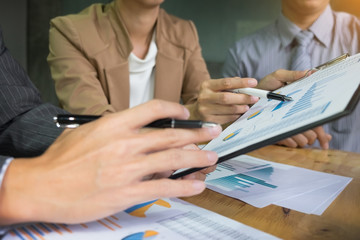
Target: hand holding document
(324, 96)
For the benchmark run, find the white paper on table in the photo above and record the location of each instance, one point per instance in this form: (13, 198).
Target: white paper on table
(272, 183)
(320, 209)
(161, 219)
(310, 201)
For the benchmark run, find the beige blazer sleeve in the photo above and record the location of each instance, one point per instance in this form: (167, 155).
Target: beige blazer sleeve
(195, 70)
(76, 80)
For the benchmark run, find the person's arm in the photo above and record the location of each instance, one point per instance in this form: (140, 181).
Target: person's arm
(26, 125)
(31, 133)
(103, 167)
(76, 78)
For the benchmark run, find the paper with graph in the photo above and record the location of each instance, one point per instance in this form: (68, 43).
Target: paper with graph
(155, 220)
(261, 183)
(316, 98)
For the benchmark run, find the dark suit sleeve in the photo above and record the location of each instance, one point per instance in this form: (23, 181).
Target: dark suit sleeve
(31, 133)
(26, 126)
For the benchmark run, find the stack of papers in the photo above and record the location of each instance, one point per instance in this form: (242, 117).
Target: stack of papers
(158, 219)
(261, 183)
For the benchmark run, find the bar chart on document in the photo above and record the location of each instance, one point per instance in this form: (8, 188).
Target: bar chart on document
(323, 94)
(250, 173)
(158, 219)
(260, 183)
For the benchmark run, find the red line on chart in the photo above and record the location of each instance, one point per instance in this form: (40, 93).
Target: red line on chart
(112, 222)
(25, 234)
(36, 233)
(105, 225)
(42, 228)
(65, 228)
(54, 228)
(84, 225)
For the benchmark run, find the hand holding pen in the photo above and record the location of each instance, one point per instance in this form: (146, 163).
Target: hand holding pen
(216, 104)
(109, 165)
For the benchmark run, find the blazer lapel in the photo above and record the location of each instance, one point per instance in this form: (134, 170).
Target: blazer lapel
(168, 78)
(169, 65)
(118, 82)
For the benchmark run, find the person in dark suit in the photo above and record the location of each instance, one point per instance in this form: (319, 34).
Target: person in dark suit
(95, 170)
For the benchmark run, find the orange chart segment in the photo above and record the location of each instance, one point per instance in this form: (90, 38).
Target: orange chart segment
(140, 209)
(255, 114)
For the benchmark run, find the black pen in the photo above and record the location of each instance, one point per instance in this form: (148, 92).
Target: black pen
(73, 121)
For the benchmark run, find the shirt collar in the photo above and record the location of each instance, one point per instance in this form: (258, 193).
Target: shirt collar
(287, 30)
(322, 28)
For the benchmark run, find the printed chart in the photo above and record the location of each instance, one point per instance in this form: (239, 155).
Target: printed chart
(316, 98)
(158, 219)
(261, 183)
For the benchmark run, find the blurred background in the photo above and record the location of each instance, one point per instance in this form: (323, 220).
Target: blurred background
(25, 25)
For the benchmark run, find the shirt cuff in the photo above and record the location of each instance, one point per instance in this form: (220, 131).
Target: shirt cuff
(4, 229)
(3, 169)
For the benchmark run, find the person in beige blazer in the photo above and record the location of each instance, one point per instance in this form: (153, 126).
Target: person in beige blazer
(89, 57)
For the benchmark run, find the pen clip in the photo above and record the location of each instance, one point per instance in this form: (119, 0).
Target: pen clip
(60, 125)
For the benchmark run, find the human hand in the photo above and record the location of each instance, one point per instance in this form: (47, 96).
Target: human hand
(103, 167)
(215, 104)
(199, 175)
(279, 79)
(308, 138)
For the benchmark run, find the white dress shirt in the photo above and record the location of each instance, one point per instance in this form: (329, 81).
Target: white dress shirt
(142, 76)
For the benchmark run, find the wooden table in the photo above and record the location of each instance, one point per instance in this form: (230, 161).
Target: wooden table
(341, 220)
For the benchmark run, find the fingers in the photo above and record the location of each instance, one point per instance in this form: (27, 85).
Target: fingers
(310, 136)
(226, 98)
(279, 78)
(229, 83)
(196, 176)
(148, 112)
(161, 139)
(209, 169)
(221, 119)
(224, 109)
(289, 142)
(173, 159)
(191, 147)
(300, 140)
(200, 175)
(323, 137)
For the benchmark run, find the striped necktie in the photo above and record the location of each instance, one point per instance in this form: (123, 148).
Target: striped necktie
(301, 59)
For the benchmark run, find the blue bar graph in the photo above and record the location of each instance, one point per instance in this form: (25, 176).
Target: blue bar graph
(291, 120)
(304, 103)
(239, 182)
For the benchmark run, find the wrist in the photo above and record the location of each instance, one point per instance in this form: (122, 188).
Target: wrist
(15, 202)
